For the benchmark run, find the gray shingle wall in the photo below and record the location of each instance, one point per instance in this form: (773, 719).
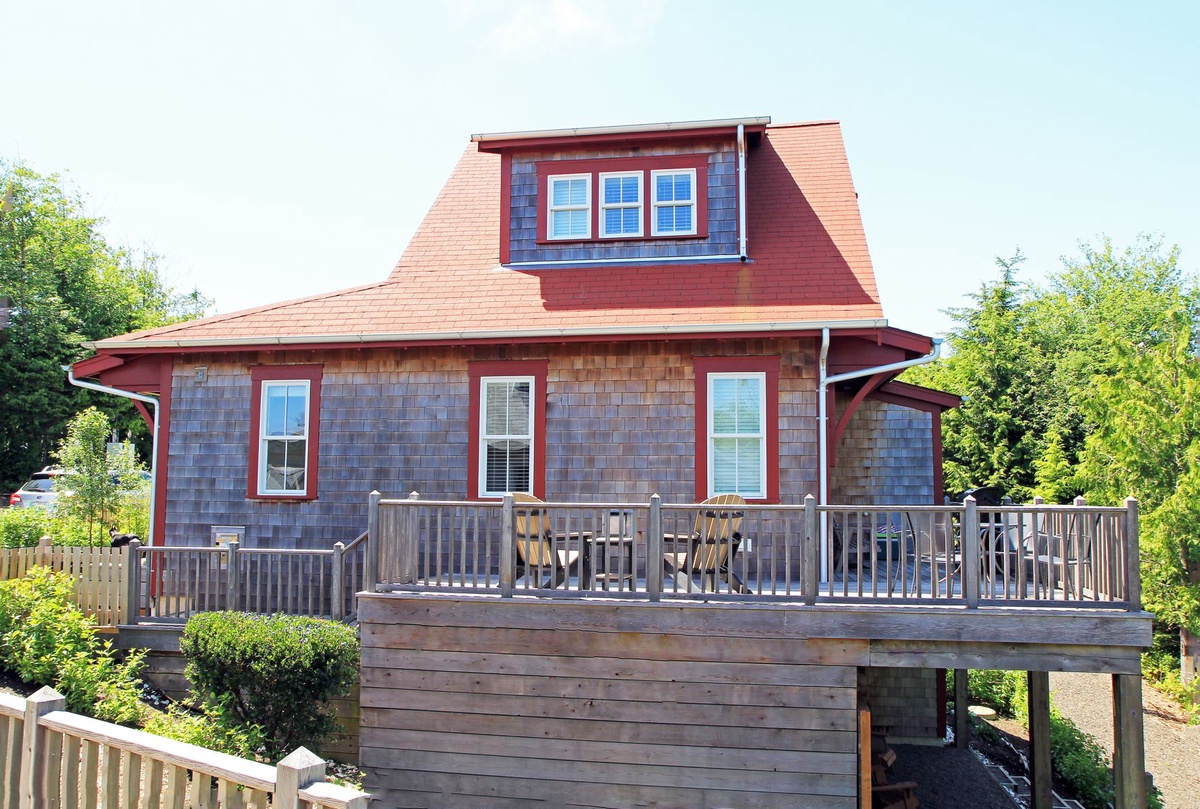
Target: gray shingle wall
(885, 456)
(722, 208)
(620, 424)
(903, 701)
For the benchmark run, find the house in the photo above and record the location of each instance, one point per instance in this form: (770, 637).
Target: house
(623, 280)
(598, 316)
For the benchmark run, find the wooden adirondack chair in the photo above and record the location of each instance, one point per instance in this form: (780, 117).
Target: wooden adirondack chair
(708, 551)
(541, 551)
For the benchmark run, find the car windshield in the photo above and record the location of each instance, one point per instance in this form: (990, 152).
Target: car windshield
(39, 485)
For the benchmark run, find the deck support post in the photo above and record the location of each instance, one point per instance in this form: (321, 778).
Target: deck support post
(969, 542)
(962, 718)
(507, 562)
(654, 551)
(810, 552)
(374, 543)
(1039, 739)
(133, 583)
(1129, 746)
(1133, 571)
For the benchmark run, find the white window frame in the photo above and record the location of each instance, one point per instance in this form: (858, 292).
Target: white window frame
(484, 436)
(760, 434)
(655, 204)
(264, 440)
(604, 207)
(551, 208)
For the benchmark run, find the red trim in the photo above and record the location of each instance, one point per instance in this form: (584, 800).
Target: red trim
(162, 462)
(476, 371)
(93, 366)
(549, 168)
(918, 397)
(843, 421)
(505, 207)
(769, 366)
(939, 486)
(259, 374)
(531, 143)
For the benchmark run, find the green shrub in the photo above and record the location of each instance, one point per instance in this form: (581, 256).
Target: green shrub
(46, 640)
(1005, 691)
(204, 728)
(274, 671)
(23, 527)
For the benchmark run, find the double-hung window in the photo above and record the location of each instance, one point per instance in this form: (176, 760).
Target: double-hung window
(506, 435)
(570, 208)
(674, 202)
(737, 427)
(285, 403)
(737, 436)
(621, 204)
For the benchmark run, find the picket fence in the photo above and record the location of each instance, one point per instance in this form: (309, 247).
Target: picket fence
(52, 758)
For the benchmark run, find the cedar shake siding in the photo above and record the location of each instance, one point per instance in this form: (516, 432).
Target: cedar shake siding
(885, 456)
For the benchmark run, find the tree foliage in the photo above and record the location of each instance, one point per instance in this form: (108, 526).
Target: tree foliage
(96, 479)
(67, 286)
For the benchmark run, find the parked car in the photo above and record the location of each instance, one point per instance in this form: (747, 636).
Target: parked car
(37, 491)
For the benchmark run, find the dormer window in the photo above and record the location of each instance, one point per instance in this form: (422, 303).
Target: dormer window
(621, 204)
(570, 208)
(674, 203)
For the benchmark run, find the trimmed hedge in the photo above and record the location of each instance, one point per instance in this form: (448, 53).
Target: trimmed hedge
(274, 672)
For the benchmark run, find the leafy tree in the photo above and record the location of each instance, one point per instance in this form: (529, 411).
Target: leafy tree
(95, 479)
(1146, 442)
(67, 286)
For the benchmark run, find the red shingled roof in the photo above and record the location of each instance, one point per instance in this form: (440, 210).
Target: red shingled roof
(809, 265)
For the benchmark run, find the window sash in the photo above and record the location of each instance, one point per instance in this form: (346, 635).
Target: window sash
(283, 437)
(737, 434)
(569, 208)
(673, 203)
(622, 216)
(506, 435)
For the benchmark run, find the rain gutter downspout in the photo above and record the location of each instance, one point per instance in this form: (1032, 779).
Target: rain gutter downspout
(823, 419)
(741, 150)
(79, 383)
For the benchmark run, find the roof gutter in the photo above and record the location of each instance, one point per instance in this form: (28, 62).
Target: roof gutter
(823, 420)
(419, 337)
(627, 129)
(79, 383)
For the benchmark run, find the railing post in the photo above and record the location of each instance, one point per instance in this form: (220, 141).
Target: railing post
(506, 547)
(410, 551)
(969, 546)
(231, 575)
(33, 757)
(300, 769)
(810, 552)
(1133, 570)
(374, 541)
(132, 608)
(337, 607)
(654, 551)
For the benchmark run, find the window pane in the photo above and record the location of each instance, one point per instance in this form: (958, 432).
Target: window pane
(612, 220)
(286, 461)
(507, 466)
(683, 219)
(749, 462)
(666, 219)
(664, 188)
(579, 192)
(724, 406)
(630, 219)
(287, 409)
(724, 463)
(683, 187)
(749, 406)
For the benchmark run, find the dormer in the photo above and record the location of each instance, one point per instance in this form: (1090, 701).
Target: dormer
(643, 194)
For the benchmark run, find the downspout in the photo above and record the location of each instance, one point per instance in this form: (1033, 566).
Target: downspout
(79, 383)
(741, 150)
(823, 417)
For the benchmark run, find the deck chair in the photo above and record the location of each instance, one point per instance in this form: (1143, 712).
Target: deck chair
(708, 551)
(936, 539)
(537, 544)
(884, 795)
(1053, 556)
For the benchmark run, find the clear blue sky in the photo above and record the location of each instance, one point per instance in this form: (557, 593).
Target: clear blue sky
(274, 150)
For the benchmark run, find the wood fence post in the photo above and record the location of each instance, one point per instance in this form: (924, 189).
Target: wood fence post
(300, 769)
(374, 541)
(1133, 572)
(969, 548)
(507, 526)
(231, 575)
(654, 551)
(34, 752)
(132, 562)
(410, 556)
(810, 551)
(337, 607)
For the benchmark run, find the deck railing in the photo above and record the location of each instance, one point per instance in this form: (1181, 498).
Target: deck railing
(174, 582)
(51, 757)
(1076, 555)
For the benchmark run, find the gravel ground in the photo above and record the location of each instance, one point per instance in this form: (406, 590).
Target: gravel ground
(948, 777)
(1172, 745)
